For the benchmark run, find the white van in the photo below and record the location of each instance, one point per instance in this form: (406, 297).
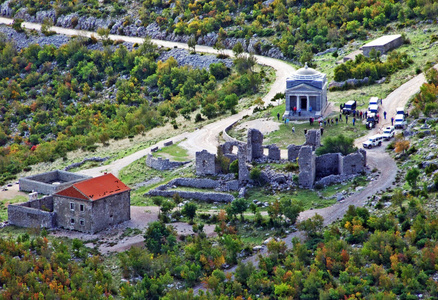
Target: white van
(374, 101)
(400, 111)
(400, 122)
(373, 141)
(374, 108)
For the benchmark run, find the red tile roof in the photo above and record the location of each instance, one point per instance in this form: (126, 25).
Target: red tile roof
(95, 188)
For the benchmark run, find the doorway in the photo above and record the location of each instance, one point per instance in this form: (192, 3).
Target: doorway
(303, 103)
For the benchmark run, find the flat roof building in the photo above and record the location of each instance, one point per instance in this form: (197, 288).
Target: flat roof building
(383, 44)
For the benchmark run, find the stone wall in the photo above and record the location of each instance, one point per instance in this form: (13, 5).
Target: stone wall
(205, 163)
(203, 183)
(254, 144)
(353, 163)
(29, 214)
(292, 152)
(313, 138)
(162, 164)
(200, 196)
(43, 183)
(328, 164)
(78, 164)
(243, 168)
(274, 152)
(306, 161)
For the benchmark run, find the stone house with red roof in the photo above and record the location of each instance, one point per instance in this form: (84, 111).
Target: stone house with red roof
(87, 206)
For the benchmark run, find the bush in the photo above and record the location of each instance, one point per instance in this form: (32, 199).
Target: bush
(198, 118)
(338, 144)
(431, 168)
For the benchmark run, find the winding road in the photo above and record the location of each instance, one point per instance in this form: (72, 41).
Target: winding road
(207, 137)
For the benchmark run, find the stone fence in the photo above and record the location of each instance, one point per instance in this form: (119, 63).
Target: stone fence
(200, 196)
(162, 164)
(37, 213)
(227, 137)
(78, 164)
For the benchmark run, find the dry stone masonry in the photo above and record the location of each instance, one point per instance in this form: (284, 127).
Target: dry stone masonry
(162, 164)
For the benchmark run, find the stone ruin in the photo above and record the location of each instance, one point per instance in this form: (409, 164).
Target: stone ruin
(163, 164)
(49, 182)
(324, 169)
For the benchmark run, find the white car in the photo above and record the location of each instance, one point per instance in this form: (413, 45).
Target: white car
(373, 141)
(400, 122)
(388, 133)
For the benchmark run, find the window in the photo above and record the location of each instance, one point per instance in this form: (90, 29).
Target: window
(72, 221)
(72, 206)
(82, 222)
(81, 207)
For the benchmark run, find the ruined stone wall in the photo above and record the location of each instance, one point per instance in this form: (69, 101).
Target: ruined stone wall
(227, 137)
(306, 161)
(254, 144)
(29, 214)
(353, 163)
(274, 152)
(313, 138)
(292, 152)
(200, 196)
(162, 164)
(195, 183)
(205, 163)
(327, 164)
(243, 168)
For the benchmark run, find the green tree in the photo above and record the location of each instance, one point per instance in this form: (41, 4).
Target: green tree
(412, 176)
(192, 43)
(238, 206)
(291, 209)
(338, 144)
(189, 210)
(159, 238)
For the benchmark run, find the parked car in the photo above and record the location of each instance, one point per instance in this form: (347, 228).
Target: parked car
(374, 108)
(388, 133)
(373, 141)
(400, 122)
(374, 101)
(372, 120)
(400, 111)
(349, 107)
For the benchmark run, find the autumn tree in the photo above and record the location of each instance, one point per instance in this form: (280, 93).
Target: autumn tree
(401, 146)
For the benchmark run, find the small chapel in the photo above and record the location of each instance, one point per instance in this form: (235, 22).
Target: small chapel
(306, 94)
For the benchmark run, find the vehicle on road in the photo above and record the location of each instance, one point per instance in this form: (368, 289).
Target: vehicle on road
(400, 122)
(372, 120)
(388, 133)
(373, 141)
(349, 107)
(374, 108)
(374, 101)
(400, 111)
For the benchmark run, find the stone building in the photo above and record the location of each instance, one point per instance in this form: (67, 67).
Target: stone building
(383, 44)
(87, 206)
(306, 90)
(93, 205)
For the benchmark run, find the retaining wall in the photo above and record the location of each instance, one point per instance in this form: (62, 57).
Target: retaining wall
(163, 164)
(200, 196)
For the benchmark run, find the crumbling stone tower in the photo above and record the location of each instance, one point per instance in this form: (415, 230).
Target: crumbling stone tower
(306, 161)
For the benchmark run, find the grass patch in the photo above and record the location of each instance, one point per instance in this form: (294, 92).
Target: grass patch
(173, 152)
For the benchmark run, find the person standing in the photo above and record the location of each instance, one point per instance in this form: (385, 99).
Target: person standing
(354, 120)
(299, 112)
(384, 115)
(336, 121)
(278, 116)
(392, 121)
(346, 119)
(293, 129)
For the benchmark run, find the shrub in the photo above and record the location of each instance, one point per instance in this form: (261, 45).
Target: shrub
(198, 118)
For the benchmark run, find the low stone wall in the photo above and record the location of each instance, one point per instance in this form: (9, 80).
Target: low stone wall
(200, 196)
(42, 183)
(353, 163)
(78, 164)
(195, 183)
(163, 164)
(29, 214)
(227, 137)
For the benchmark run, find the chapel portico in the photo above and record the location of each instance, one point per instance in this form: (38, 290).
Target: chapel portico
(306, 94)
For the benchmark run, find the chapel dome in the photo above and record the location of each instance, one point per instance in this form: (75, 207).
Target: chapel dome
(307, 73)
